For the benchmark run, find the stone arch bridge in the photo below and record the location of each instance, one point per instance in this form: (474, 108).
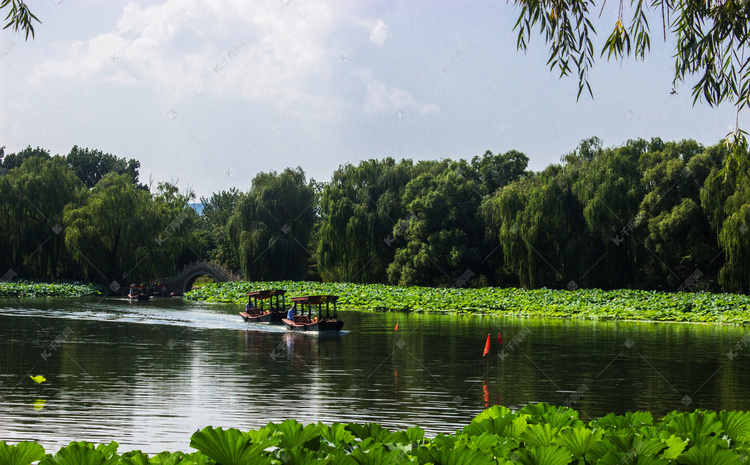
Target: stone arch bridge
(183, 281)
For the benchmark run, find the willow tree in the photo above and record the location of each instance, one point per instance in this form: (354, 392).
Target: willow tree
(113, 231)
(444, 230)
(272, 224)
(217, 210)
(609, 190)
(678, 237)
(727, 206)
(711, 43)
(34, 196)
(359, 209)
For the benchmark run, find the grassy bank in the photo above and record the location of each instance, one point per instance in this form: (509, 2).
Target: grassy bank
(620, 304)
(538, 434)
(47, 289)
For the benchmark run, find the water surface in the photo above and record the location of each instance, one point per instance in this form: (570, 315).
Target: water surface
(149, 374)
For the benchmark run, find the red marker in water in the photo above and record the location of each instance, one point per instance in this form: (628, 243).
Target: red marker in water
(396, 328)
(499, 339)
(487, 346)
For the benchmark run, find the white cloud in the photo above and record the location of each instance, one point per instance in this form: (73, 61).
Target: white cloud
(248, 49)
(380, 33)
(381, 98)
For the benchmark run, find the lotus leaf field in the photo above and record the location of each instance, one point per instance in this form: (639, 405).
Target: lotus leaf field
(537, 434)
(623, 304)
(34, 289)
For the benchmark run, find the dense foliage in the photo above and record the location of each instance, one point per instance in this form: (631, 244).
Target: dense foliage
(42, 289)
(584, 303)
(85, 216)
(711, 41)
(537, 434)
(645, 215)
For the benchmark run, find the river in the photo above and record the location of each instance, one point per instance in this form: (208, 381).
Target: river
(149, 374)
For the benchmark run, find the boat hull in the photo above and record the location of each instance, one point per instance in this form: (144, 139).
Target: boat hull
(319, 326)
(255, 318)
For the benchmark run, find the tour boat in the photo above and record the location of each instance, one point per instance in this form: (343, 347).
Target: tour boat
(304, 321)
(266, 306)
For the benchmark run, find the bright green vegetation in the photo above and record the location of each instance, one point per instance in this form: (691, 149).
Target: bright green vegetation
(538, 434)
(583, 303)
(32, 289)
(648, 215)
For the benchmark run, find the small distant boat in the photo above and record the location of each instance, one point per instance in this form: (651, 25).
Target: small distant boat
(138, 297)
(267, 306)
(162, 295)
(304, 321)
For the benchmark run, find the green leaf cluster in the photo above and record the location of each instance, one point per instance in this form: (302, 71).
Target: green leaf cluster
(537, 434)
(621, 304)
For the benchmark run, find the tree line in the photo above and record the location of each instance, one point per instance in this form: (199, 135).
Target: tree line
(647, 214)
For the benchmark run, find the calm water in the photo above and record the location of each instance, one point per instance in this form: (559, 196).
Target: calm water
(149, 374)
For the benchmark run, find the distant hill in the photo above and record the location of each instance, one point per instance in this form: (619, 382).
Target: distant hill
(198, 207)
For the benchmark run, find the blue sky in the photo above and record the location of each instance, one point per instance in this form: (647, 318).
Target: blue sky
(208, 95)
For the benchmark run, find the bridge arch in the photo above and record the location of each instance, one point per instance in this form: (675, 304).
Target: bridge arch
(183, 281)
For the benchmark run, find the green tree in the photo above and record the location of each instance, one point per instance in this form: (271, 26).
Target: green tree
(727, 206)
(15, 160)
(271, 226)
(444, 230)
(359, 209)
(91, 165)
(677, 232)
(711, 42)
(34, 196)
(112, 232)
(217, 210)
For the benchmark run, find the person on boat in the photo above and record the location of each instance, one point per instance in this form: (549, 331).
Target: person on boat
(248, 306)
(131, 294)
(290, 314)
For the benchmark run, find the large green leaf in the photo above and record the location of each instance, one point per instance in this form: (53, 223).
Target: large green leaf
(291, 433)
(299, 456)
(578, 441)
(711, 454)
(622, 458)
(549, 455)
(492, 425)
(628, 422)
(558, 417)
(336, 434)
(415, 434)
(496, 411)
(516, 428)
(22, 453)
(539, 435)
(377, 455)
(736, 425)
(135, 457)
(599, 449)
(231, 446)
(377, 432)
(460, 455)
(81, 453)
(701, 428)
(675, 446)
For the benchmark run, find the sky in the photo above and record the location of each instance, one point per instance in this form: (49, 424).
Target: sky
(208, 94)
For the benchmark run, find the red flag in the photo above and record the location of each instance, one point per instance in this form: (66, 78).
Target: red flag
(487, 346)
(499, 339)
(396, 328)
